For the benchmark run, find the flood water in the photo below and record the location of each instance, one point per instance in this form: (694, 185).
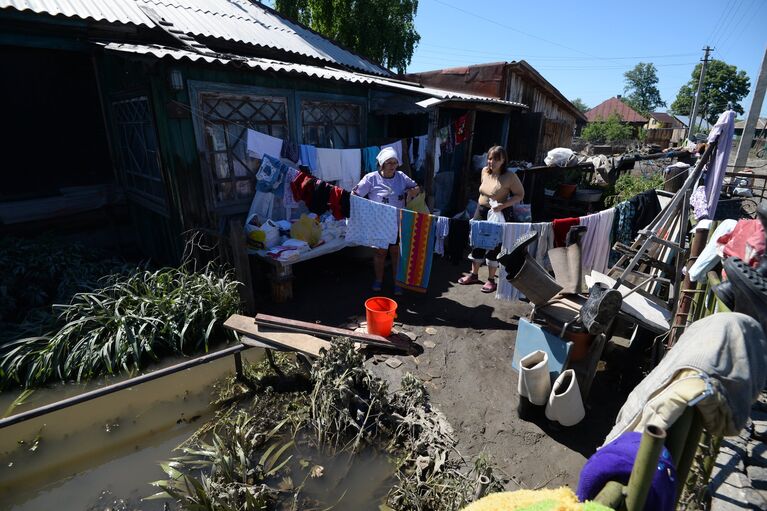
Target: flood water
(67, 459)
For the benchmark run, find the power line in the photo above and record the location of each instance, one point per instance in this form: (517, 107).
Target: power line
(727, 26)
(549, 57)
(720, 21)
(738, 27)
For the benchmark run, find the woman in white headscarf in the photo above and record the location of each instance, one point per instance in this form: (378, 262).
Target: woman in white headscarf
(388, 186)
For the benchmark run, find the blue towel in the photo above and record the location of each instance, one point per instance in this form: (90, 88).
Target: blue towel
(369, 162)
(487, 235)
(309, 156)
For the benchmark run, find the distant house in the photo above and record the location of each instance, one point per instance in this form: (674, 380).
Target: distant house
(761, 127)
(664, 129)
(549, 122)
(628, 115)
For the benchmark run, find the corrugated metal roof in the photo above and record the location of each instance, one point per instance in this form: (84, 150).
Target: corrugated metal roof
(667, 118)
(614, 106)
(322, 73)
(240, 21)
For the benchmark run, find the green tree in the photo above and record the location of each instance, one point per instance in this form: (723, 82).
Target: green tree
(381, 30)
(723, 83)
(610, 130)
(642, 93)
(580, 105)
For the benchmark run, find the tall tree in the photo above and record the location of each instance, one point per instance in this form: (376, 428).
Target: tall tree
(640, 87)
(580, 105)
(381, 30)
(723, 83)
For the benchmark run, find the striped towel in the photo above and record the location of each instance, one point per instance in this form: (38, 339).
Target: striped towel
(511, 232)
(416, 248)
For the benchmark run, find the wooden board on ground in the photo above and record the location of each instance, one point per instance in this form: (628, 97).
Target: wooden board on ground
(300, 342)
(285, 324)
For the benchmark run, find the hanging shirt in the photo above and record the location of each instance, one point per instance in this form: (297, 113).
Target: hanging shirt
(442, 230)
(309, 156)
(596, 242)
(290, 151)
(351, 168)
(561, 227)
(260, 144)
(512, 232)
(371, 224)
(392, 191)
(328, 164)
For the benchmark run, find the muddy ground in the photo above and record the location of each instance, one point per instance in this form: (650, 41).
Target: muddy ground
(466, 363)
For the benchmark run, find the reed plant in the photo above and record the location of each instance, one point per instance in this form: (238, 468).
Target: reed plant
(131, 321)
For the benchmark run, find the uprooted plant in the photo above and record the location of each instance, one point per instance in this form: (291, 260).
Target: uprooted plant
(241, 461)
(126, 324)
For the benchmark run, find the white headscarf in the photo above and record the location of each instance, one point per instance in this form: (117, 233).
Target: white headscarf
(385, 154)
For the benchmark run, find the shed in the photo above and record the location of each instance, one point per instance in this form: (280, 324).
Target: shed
(664, 129)
(550, 119)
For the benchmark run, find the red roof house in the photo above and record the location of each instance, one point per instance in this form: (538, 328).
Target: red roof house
(615, 106)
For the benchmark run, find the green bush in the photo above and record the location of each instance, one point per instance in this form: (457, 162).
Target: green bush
(628, 186)
(611, 130)
(125, 325)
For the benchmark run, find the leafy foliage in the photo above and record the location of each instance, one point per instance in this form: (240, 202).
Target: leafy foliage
(611, 130)
(723, 83)
(627, 186)
(642, 93)
(580, 105)
(123, 326)
(381, 30)
(38, 272)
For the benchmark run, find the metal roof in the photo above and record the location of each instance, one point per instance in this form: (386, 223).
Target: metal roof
(323, 73)
(614, 106)
(240, 21)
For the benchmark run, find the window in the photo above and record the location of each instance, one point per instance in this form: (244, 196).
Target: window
(226, 118)
(331, 124)
(137, 154)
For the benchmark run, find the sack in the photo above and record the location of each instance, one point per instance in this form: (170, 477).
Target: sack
(261, 235)
(418, 204)
(497, 217)
(522, 212)
(561, 157)
(306, 229)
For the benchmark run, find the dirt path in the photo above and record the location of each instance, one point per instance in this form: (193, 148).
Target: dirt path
(466, 365)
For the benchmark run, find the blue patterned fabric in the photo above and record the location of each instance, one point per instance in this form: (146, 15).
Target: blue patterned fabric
(486, 235)
(372, 224)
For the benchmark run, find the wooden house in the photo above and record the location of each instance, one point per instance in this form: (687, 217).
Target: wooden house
(614, 106)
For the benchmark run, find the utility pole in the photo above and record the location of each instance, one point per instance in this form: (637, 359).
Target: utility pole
(753, 116)
(696, 104)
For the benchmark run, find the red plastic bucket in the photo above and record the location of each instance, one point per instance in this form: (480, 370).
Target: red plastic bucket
(380, 312)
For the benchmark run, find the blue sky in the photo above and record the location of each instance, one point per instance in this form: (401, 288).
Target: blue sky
(583, 48)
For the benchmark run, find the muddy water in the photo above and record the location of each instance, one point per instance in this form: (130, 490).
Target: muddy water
(66, 460)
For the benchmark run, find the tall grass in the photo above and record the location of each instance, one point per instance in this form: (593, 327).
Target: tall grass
(123, 326)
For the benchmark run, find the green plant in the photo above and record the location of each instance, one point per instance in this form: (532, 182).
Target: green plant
(123, 326)
(610, 130)
(627, 186)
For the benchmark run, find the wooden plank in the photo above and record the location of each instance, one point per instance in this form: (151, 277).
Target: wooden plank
(276, 322)
(302, 343)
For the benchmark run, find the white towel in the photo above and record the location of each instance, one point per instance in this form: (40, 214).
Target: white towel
(259, 144)
(596, 243)
(372, 224)
(511, 232)
(351, 168)
(397, 146)
(441, 231)
(328, 164)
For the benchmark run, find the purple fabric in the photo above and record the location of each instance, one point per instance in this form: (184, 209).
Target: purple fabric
(724, 130)
(614, 461)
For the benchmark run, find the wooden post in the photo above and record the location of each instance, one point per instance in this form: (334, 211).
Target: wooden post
(242, 265)
(645, 465)
(688, 287)
(428, 180)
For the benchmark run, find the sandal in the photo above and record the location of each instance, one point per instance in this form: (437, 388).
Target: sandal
(489, 287)
(471, 278)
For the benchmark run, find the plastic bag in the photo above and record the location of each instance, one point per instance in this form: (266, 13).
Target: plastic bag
(495, 216)
(261, 235)
(418, 204)
(306, 229)
(561, 157)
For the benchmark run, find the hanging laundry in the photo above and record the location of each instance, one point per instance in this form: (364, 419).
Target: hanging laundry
(320, 197)
(339, 203)
(511, 232)
(351, 168)
(437, 155)
(545, 242)
(259, 144)
(287, 195)
(561, 226)
(442, 230)
(372, 224)
(457, 239)
(723, 130)
(596, 242)
(328, 164)
(397, 146)
(486, 235)
(416, 249)
(290, 151)
(369, 162)
(303, 188)
(647, 207)
(460, 129)
(309, 156)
